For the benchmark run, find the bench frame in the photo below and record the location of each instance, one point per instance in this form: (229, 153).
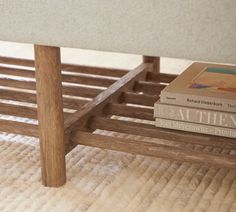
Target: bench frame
(60, 132)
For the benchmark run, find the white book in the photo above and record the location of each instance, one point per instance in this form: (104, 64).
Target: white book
(197, 128)
(195, 115)
(203, 85)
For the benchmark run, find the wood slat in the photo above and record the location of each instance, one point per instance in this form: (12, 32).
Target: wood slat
(19, 72)
(148, 130)
(139, 99)
(50, 115)
(17, 110)
(67, 89)
(21, 96)
(154, 150)
(21, 111)
(69, 67)
(110, 72)
(19, 128)
(85, 80)
(161, 77)
(110, 94)
(17, 61)
(155, 61)
(88, 80)
(129, 111)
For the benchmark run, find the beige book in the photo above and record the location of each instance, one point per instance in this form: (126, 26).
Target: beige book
(195, 115)
(202, 85)
(196, 128)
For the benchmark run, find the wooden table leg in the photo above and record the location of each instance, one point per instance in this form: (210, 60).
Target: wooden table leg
(50, 115)
(155, 61)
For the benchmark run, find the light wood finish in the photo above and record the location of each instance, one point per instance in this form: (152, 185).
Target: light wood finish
(19, 128)
(149, 130)
(156, 61)
(50, 115)
(23, 96)
(71, 90)
(112, 93)
(17, 110)
(153, 149)
(130, 97)
(80, 119)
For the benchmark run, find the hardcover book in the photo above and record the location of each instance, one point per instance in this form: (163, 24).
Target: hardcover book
(204, 85)
(195, 115)
(197, 128)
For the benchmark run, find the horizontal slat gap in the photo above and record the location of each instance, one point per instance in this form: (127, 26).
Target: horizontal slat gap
(149, 87)
(129, 111)
(139, 99)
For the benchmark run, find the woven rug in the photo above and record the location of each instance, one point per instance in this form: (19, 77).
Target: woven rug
(104, 180)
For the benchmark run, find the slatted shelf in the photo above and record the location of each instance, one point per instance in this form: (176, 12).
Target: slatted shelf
(17, 85)
(111, 100)
(132, 115)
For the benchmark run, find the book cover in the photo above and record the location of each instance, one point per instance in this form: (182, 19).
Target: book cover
(196, 128)
(195, 115)
(203, 85)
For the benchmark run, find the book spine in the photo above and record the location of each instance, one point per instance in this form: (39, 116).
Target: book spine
(195, 115)
(197, 128)
(204, 102)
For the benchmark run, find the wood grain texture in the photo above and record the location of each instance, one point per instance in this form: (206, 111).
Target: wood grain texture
(85, 80)
(50, 115)
(112, 72)
(156, 62)
(154, 150)
(19, 128)
(71, 90)
(140, 99)
(110, 94)
(148, 130)
(23, 96)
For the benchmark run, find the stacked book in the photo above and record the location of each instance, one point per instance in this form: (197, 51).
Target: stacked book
(202, 99)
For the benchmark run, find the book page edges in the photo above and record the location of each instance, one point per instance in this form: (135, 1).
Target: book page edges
(196, 128)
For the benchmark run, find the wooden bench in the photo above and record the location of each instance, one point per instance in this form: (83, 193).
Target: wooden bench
(196, 30)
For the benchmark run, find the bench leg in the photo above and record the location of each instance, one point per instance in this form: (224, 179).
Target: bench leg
(50, 115)
(155, 61)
